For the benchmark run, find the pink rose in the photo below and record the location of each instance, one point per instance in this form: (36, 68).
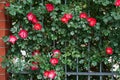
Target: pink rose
(23, 34)
(56, 53)
(30, 16)
(12, 39)
(117, 3)
(52, 74)
(54, 61)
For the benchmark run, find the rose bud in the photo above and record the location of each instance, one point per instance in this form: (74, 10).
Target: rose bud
(34, 66)
(54, 61)
(23, 34)
(7, 4)
(36, 52)
(109, 51)
(37, 26)
(52, 74)
(83, 15)
(49, 7)
(12, 39)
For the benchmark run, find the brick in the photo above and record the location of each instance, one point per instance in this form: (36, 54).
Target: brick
(2, 43)
(0, 60)
(2, 70)
(4, 32)
(2, 77)
(2, 6)
(5, 24)
(3, 16)
(2, 1)
(3, 51)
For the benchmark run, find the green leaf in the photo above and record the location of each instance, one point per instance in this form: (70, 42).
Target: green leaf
(39, 76)
(5, 38)
(55, 1)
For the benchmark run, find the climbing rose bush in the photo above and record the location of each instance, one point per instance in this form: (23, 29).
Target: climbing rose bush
(46, 36)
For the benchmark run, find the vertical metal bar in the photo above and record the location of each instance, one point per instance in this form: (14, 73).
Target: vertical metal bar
(65, 45)
(100, 70)
(65, 72)
(42, 1)
(77, 77)
(88, 2)
(100, 44)
(31, 78)
(65, 68)
(112, 70)
(65, 2)
(88, 60)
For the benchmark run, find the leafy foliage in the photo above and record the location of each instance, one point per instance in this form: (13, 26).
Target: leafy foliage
(76, 39)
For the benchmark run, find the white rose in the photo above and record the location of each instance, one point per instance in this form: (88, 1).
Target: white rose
(23, 52)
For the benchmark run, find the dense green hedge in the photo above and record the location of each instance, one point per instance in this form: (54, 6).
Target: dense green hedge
(68, 29)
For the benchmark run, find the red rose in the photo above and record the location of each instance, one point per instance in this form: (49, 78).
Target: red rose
(34, 66)
(34, 20)
(52, 74)
(54, 61)
(117, 3)
(83, 15)
(36, 52)
(23, 34)
(37, 26)
(56, 53)
(46, 73)
(12, 39)
(30, 16)
(64, 20)
(68, 16)
(109, 50)
(7, 4)
(49, 7)
(92, 21)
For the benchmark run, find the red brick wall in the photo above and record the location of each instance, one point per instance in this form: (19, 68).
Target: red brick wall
(4, 29)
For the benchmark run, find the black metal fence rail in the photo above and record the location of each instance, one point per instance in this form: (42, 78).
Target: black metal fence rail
(89, 74)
